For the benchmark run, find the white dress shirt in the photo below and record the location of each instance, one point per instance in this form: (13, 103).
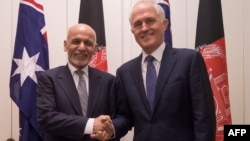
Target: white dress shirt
(90, 123)
(157, 54)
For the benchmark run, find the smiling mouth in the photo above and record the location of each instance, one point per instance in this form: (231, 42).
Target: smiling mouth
(82, 55)
(146, 37)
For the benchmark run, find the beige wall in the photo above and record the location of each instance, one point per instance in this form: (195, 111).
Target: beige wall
(59, 14)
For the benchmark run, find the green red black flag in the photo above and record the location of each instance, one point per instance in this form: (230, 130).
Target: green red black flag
(210, 42)
(91, 13)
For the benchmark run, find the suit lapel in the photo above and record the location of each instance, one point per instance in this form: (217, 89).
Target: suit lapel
(167, 64)
(136, 73)
(66, 82)
(94, 90)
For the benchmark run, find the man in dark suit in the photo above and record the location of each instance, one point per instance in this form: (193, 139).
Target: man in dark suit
(180, 107)
(58, 104)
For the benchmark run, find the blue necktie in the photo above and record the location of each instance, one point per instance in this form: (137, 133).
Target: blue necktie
(82, 92)
(151, 78)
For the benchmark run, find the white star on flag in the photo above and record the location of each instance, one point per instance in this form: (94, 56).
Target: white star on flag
(27, 66)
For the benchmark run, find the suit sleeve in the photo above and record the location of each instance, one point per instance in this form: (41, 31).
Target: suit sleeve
(202, 101)
(122, 121)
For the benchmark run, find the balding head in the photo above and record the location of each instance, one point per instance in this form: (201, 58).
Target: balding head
(74, 29)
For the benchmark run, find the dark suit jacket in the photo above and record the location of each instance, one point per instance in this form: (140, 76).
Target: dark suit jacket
(183, 105)
(58, 105)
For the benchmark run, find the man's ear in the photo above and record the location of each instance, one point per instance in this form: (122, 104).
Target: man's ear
(96, 47)
(165, 23)
(131, 29)
(65, 45)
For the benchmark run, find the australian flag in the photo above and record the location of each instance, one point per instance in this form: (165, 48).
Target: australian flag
(30, 57)
(168, 34)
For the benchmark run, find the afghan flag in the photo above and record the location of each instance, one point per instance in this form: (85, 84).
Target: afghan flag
(166, 7)
(210, 42)
(91, 13)
(30, 58)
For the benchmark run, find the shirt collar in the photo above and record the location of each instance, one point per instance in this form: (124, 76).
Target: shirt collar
(73, 69)
(157, 54)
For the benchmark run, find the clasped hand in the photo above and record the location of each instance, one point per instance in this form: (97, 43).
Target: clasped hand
(103, 128)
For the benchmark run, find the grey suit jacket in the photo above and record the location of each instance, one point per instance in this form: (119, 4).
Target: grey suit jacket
(58, 106)
(183, 104)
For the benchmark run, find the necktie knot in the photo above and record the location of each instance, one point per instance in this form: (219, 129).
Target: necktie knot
(149, 58)
(79, 72)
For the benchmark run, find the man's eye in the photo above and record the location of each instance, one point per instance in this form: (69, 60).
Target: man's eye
(150, 21)
(137, 25)
(88, 43)
(76, 42)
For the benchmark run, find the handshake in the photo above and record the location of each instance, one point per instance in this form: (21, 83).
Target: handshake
(103, 128)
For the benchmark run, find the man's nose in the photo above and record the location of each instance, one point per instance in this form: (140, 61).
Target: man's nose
(144, 26)
(82, 45)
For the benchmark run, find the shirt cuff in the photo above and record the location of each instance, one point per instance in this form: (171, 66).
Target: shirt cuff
(89, 126)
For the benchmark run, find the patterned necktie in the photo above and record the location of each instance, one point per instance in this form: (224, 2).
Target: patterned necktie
(150, 80)
(82, 92)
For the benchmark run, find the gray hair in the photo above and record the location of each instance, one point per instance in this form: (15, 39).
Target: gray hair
(157, 7)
